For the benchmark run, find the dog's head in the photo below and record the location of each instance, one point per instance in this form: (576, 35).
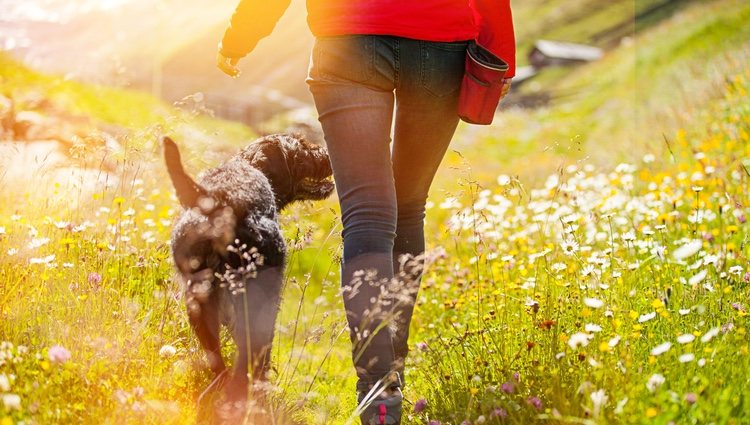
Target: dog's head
(297, 169)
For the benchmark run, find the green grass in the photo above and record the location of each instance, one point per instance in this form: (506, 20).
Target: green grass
(500, 297)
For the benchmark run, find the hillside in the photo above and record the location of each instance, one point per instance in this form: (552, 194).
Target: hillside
(168, 47)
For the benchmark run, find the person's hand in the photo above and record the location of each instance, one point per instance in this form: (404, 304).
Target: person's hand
(506, 87)
(228, 65)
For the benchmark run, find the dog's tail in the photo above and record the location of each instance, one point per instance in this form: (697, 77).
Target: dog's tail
(188, 191)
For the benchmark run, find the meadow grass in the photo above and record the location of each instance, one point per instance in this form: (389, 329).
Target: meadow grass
(598, 294)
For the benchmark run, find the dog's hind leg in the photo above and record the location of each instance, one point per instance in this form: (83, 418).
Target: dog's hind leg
(253, 331)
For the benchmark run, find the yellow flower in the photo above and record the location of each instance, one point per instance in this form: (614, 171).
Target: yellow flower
(6, 421)
(474, 391)
(651, 412)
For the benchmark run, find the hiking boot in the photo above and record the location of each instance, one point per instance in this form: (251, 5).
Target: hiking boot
(384, 409)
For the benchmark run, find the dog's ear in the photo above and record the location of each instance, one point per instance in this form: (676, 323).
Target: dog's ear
(269, 157)
(188, 191)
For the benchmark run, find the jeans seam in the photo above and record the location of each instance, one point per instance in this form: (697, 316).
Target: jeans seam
(396, 62)
(422, 64)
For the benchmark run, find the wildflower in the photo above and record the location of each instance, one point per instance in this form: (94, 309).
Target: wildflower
(628, 236)
(686, 338)
(569, 246)
(646, 317)
(599, 398)
(422, 346)
(708, 336)
(614, 341)
(591, 327)
(735, 270)
(122, 396)
(686, 358)
(94, 278)
(698, 278)
(534, 402)
(2, 230)
(499, 413)
(691, 398)
(579, 339)
(684, 311)
(480, 420)
(516, 377)
(420, 405)
(12, 401)
(593, 302)
(503, 180)
(688, 250)
(661, 349)
(38, 242)
(434, 422)
(655, 381)
(167, 351)
(4, 383)
(508, 388)
(588, 270)
(558, 267)
(532, 304)
(58, 354)
(42, 260)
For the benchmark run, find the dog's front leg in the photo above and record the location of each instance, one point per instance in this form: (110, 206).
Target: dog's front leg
(205, 320)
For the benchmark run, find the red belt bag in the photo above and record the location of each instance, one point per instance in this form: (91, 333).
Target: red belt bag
(481, 88)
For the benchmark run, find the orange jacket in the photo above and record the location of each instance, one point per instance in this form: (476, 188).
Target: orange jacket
(488, 21)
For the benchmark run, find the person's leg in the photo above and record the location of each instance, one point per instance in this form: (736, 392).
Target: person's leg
(354, 98)
(426, 119)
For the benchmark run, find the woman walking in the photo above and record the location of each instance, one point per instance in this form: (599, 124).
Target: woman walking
(373, 61)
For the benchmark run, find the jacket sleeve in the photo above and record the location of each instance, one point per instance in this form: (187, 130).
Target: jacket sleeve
(252, 20)
(495, 22)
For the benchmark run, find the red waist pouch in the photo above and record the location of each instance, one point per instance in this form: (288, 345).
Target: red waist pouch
(481, 88)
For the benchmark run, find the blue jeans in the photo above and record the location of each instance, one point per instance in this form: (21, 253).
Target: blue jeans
(356, 80)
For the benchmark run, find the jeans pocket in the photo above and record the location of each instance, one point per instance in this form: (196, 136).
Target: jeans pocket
(442, 67)
(348, 58)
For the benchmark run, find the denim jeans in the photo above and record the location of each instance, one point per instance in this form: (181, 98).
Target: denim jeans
(358, 82)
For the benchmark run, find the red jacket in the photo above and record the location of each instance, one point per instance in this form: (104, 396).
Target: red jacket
(488, 21)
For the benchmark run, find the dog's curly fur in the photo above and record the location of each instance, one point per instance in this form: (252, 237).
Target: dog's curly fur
(228, 247)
